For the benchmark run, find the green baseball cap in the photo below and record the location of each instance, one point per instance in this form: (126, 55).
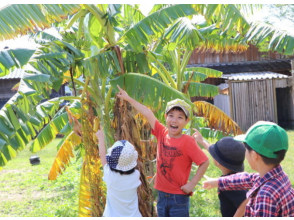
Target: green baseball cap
(265, 138)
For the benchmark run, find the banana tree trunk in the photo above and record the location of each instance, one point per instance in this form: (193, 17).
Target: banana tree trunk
(126, 128)
(92, 160)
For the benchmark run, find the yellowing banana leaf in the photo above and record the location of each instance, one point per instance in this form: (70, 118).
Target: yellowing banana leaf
(63, 156)
(85, 209)
(216, 118)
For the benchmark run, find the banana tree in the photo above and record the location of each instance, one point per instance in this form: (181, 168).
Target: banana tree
(104, 42)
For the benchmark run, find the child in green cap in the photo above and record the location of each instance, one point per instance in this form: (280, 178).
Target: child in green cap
(175, 154)
(270, 193)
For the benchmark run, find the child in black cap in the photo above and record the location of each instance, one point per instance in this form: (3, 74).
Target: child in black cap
(228, 155)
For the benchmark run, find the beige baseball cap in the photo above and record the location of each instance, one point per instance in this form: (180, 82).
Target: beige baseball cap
(178, 103)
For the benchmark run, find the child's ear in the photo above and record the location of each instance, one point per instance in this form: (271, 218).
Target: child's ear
(165, 115)
(255, 155)
(187, 120)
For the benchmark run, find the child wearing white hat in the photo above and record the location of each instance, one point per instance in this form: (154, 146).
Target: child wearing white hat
(121, 178)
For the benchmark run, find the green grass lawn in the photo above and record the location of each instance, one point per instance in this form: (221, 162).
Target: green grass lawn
(26, 191)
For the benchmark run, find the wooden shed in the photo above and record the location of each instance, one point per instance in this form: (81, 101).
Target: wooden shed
(255, 96)
(255, 85)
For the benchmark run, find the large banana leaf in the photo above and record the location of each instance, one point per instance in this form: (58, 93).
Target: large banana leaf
(142, 32)
(14, 58)
(207, 71)
(147, 90)
(220, 41)
(227, 17)
(183, 34)
(202, 89)
(278, 40)
(21, 19)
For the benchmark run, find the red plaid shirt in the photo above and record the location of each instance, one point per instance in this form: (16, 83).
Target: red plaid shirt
(269, 196)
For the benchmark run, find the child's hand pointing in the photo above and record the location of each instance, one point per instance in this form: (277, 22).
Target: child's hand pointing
(122, 94)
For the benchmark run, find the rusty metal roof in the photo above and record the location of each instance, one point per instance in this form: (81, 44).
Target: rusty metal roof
(248, 66)
(254, 75)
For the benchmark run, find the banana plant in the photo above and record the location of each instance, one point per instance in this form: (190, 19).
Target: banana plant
(103, 44)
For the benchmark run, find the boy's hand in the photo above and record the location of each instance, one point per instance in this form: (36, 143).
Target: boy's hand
(211, 183)
(187, 188)
(100, 134)
(197, 136)
(122, 94)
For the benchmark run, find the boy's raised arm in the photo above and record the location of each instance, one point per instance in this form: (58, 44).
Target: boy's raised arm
(148, 114)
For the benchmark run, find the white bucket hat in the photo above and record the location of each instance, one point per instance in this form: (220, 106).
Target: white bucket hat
(122, 156)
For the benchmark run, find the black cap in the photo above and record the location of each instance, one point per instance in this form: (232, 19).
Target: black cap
(229, 153)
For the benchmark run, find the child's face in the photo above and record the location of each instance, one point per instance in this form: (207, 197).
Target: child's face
(175, 122)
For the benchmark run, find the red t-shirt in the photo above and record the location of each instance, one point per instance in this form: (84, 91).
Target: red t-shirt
(174, 159)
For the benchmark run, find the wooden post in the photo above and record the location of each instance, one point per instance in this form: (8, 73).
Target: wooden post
(231, 100)
(292, 93)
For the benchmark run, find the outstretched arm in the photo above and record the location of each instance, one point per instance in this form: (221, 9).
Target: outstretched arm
(148, 114)
(101, 145)
(211, 183)
(199, 139)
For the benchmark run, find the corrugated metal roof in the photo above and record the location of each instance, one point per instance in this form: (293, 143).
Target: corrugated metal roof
(15, 74)
(254, 75)
(247, 66)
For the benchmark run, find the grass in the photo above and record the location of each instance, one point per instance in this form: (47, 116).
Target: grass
(25, 190)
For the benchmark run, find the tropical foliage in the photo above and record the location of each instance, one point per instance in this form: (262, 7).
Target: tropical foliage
(106, 46)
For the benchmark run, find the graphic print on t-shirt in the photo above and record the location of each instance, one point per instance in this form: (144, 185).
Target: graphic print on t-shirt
(167, 156)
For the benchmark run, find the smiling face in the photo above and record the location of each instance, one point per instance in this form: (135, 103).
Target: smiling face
(175, 122)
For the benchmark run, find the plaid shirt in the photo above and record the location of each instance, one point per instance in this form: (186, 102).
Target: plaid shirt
(269, 196)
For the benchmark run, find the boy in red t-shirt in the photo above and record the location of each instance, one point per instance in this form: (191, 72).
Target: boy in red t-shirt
(175, 154)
